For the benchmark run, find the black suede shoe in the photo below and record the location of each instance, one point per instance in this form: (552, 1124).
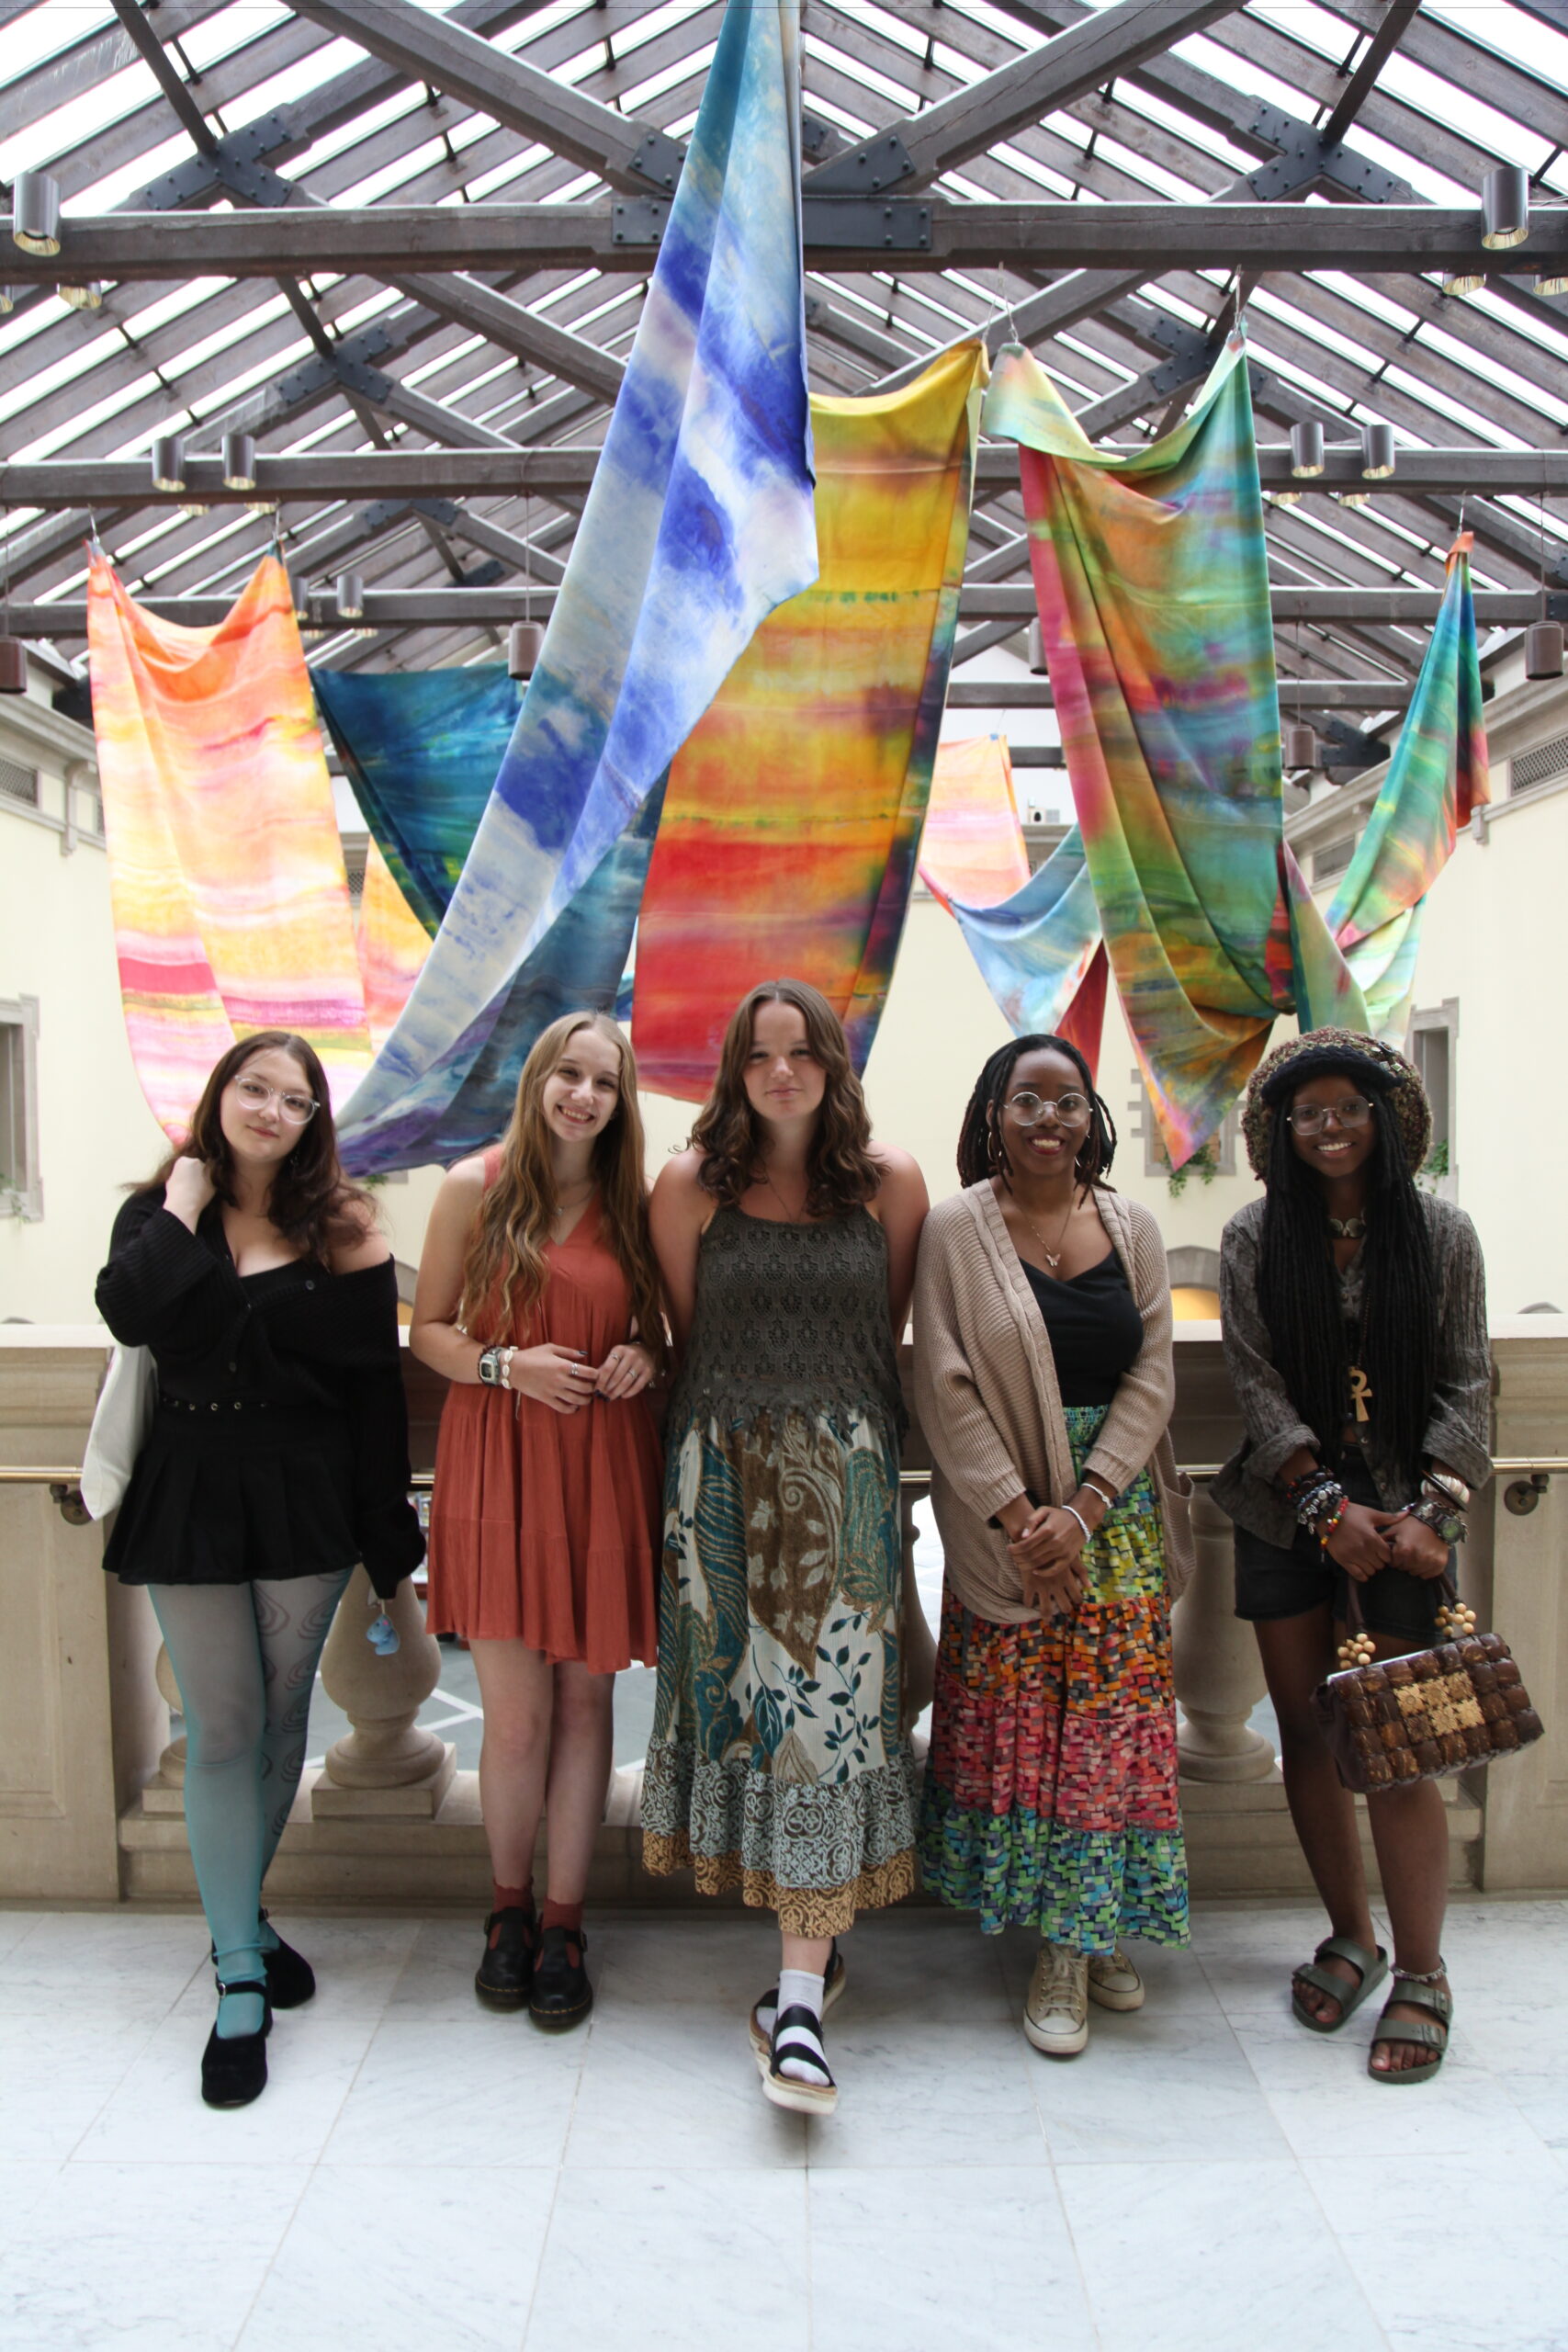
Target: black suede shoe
(504, 1975)
(562, 1995)
(233, 2072)
(291, 1979)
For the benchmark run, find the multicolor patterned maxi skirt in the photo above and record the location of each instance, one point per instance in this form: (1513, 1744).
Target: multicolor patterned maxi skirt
(1051, 1792)
(776, 1763)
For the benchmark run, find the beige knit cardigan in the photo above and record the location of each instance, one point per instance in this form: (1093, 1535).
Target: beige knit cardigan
(986, 1390)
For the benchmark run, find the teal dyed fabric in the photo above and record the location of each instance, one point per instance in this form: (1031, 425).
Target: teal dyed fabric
(1035, 948)
(421, 749)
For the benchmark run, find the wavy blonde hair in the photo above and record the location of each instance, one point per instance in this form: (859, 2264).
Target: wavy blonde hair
(840, 1167)
(505, 1270)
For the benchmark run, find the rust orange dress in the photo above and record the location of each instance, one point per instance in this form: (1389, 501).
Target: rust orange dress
(544, 1526)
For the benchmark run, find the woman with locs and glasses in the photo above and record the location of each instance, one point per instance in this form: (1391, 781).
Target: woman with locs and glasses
(1354, 1315)
(1044, 1383)
(277, 1458)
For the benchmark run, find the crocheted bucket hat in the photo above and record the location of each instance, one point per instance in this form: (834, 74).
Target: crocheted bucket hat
(1316, 1054)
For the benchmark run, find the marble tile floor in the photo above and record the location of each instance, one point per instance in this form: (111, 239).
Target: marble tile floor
(422, 2175)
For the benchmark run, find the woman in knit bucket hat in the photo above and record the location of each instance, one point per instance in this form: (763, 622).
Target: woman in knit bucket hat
(1353, 1313)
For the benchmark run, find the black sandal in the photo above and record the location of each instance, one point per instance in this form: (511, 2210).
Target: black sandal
(233, 2069)
(1414, 1993)
(562, 1995)
(788, 2090)
(833, 1981)
(503, 1976)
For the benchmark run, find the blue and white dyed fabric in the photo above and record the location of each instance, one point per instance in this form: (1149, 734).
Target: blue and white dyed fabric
(700, 521)
(1035, 948)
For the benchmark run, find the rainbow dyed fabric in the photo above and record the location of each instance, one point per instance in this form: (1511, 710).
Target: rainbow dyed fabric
(1438, 776)
(393, 944)
(231, 904)
(1153, 589)
(698, 522)
(792, 817)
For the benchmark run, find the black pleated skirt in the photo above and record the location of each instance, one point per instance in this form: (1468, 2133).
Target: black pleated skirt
(236, 1497)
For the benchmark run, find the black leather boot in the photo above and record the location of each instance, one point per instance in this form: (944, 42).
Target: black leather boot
(562, 1995)
(503, 1976)
(233, 2072)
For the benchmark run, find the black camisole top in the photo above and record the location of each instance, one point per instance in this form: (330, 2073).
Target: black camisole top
(1094, 1328)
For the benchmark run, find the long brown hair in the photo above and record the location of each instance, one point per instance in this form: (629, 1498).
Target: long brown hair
(506, 1252)
(840, 1169)
(312, 1200)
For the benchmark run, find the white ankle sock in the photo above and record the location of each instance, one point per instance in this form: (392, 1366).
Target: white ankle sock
(799, 1988)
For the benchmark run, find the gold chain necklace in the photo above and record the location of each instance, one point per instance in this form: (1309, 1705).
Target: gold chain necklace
(784, 1204)
(1053, 1257)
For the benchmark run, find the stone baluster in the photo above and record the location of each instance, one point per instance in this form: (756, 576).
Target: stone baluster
(1219, 1676)
(385, 1764)
(165, 1792)
(917, 1643)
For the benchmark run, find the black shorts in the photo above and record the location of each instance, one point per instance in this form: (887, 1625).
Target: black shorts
(1286, 1580)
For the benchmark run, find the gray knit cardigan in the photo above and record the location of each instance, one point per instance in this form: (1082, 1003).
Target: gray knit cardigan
(990, 1407)
(1458, 1426)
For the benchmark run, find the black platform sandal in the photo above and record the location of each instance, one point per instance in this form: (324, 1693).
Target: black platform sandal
(788, 2090)
(234, 2071)
(503, 1976)
(562, 1995)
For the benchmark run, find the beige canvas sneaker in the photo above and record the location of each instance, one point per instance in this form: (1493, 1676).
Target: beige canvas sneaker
(1113, 1981)
(1056, 2008)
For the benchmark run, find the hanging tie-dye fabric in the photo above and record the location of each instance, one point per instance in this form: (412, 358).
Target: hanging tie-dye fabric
(972, 849)
(1438, 776)
(421, 749)
(393, 944)
(794, 814)
(226, 871)
(1152, 581)
(698, 522)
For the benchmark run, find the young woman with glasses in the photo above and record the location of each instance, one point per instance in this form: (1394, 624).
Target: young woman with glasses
(277, 1457)
(1354, 1315)
(539, 1299)
(1042, 1371)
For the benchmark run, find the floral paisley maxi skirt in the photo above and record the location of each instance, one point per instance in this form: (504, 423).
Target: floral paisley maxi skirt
(1051, 1794)
(776, 1763)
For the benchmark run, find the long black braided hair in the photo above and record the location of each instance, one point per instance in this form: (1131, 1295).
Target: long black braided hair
(1298, 1292)
(980, 1151)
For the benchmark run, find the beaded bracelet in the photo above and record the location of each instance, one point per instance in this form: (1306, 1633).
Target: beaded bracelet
(1324, 1528)
(1327, 1494)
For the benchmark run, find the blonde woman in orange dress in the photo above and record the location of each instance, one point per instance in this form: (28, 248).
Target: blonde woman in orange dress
(539, 1299)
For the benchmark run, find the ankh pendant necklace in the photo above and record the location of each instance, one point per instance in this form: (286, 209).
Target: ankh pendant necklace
(1360, 1392)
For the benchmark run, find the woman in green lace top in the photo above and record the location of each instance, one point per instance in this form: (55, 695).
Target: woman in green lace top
(786, 1240)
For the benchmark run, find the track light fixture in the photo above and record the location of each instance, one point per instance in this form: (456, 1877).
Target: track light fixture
(350, 596)
(1505, 207)
(1377, 452)
(1306, 450)
(239, 461)
(1036, 651)
(1553, 279)
(82, 297)
(168, 462)
(525, 643)
(35, 213)
(1301, 745)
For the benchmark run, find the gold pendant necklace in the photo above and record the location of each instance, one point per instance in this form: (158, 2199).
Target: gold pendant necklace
(1053, 1257)
(1360, 1392)
(784, 1204)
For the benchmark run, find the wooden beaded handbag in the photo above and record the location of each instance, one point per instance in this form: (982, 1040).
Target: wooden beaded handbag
(1394, 1721)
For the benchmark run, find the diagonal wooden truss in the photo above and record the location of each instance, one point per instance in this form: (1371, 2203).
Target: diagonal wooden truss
(1330, 158)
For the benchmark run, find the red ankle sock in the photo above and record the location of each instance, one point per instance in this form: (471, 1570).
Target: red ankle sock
(561, 1915)
(512, 1898)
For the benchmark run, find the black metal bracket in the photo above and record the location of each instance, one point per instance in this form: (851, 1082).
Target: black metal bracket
(876, 163)
(658, 159)
(232, 164)
(68, 1502)
(843, 223)
(383, 510)
(818, 139)
(1356, 749)
(1303, 158)
(638, 221)
(349, 364)
(1525, 1494)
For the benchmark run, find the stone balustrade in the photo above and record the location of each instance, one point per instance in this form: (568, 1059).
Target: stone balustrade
(91, 1795)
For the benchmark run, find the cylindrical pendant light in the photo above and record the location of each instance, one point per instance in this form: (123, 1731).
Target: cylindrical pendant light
(7, 301)
(1464, 281)
(35, 212)
(350, 596)
(13, 666)
(1036, 651)
(82, 297)
(239, 461)
(1286, 497)
(525, 643)
(1377, 452)
(1306, 448)
(1543, 650)
(1301, 745)
(1553, 279)
(1505, 207)
(300, 592)
(168, 462)
(194, 506)
(1354, 498)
